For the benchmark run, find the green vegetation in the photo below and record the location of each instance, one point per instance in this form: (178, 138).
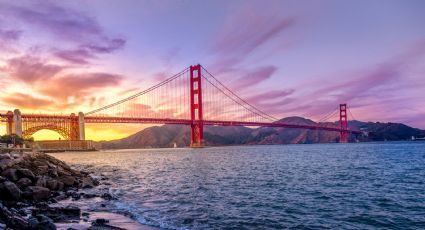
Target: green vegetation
(14, 139)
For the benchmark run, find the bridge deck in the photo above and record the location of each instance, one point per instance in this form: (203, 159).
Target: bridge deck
(139, 120)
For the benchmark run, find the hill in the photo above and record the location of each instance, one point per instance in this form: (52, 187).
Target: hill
(168, 135)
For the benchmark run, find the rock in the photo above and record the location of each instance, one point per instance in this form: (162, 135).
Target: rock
(67, 180)
(5, 156)
(5, 163)
(42, 169)
(10, 174)
(33, 222)
(53, 172)
(60, 186)
(9, 191)
(89, 195)
(101, 221)
(25, 173)
(87, 182)
(62, 172)
(39, 163)
(60, 197)
(41, 181)
(108, 196)
(38, 193)
(17, 222)
(59, 214)
(2, 226)
(45, 223)
(2, 179)
(52, 184)
(23, 183)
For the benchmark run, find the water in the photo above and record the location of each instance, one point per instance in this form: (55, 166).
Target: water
(322, 186)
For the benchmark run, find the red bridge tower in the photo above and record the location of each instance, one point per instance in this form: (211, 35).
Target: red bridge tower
(344, 123)
(196, 126)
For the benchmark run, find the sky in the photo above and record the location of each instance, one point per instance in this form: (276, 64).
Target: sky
(288, 58)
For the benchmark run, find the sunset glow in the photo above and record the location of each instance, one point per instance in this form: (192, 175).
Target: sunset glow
(65, 57)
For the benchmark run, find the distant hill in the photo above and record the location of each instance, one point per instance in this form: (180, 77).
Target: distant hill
(166, 135)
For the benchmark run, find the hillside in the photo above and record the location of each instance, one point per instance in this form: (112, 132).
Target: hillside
(166, 135)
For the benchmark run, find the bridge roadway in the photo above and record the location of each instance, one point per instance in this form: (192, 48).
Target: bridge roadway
(138, 120)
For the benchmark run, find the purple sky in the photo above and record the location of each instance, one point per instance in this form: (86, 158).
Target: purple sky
(286, 57)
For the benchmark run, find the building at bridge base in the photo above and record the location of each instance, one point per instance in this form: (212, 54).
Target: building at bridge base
(196, 126)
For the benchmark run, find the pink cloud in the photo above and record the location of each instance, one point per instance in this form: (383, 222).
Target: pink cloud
(254, 77)
(68, 25)
(242, 33)
(31, 69)
(26, 101)
(79, 85)
(270, 95)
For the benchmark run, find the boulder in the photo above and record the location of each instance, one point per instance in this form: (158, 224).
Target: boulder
(43, 169)
(53, 172)
(41, 181)
(10, 174)
(67, 180)
(38, 193)
(59, 214)
(23, 183)
(52, 184)
(60, 186)
(5, 156)
(45, 223)
(5, 163)
(22, 172)
(9, 191)
(87, 182)
(40, 163)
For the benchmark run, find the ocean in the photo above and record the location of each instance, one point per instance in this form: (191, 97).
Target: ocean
(315, 186)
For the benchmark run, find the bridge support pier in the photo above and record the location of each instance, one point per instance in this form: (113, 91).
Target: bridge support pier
(9, 123)
(196, 126)
(81, 126)
(343, 137)
(17, 122)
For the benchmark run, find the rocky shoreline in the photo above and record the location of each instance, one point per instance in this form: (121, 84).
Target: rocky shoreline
(32, 186)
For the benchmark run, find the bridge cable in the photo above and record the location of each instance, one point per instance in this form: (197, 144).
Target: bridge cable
(140, 93)
(269, 117)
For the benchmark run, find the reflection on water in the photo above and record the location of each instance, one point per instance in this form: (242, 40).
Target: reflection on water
(354, 186)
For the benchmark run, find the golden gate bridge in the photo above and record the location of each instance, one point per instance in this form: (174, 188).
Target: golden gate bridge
(192, 97)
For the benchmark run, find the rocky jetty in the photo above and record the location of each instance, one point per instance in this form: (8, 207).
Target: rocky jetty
(30, 185)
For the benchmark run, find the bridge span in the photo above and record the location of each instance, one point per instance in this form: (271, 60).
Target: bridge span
(193, 97)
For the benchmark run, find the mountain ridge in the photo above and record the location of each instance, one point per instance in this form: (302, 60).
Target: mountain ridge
(179, 135)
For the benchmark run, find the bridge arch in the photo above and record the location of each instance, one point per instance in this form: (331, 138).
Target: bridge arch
(63, 131)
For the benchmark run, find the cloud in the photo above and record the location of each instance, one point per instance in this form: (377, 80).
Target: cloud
(254, 77)
(8, 40)
(31, 69)
(9, 35)
(26, 101)
(270, 96)
(376, 92)
(83, 53)
(76, 56)
(64, 23)
(78, 86)
(244, 32)
(84, 32)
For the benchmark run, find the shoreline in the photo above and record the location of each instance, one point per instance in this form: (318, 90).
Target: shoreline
(38, 191)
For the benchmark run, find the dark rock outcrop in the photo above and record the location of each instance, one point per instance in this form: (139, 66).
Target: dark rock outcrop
(38, 179)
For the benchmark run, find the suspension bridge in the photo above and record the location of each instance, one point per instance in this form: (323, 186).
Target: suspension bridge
(192, 97)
